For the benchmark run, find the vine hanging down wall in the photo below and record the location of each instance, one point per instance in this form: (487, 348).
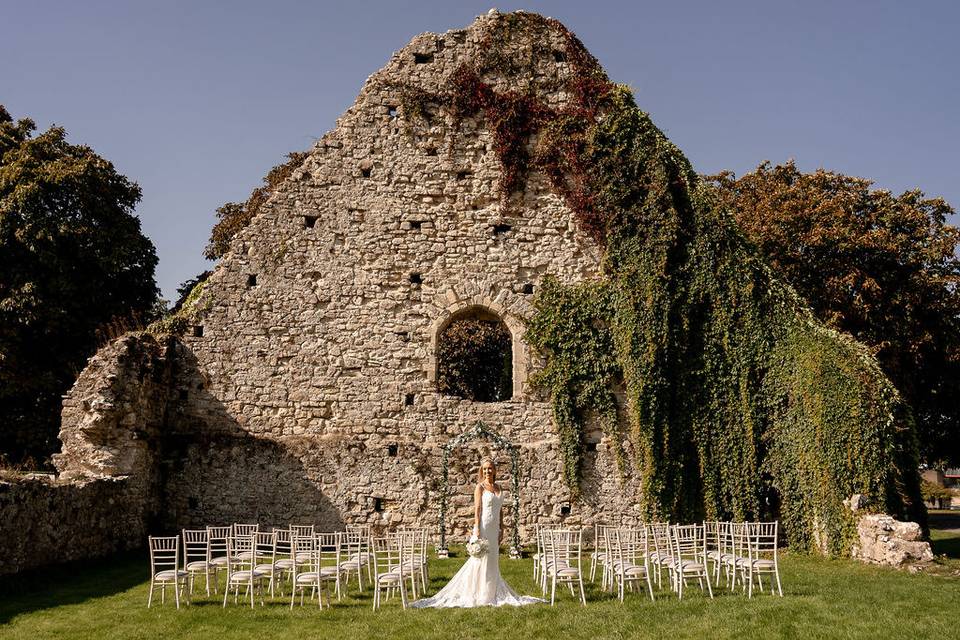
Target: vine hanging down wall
(739, 403)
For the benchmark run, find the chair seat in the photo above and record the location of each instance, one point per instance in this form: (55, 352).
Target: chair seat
(265, 569)
(763, 563)
(713, 555)
(330, 571)
(690, 565)
(349, 565)
(244, 576)
(308, 577)
(285, 563)
(243, 555)
(635, 570)
(220, 561)
(568, 572)
(197, 565)
(170, 574)
(389, 578)
(303, 556)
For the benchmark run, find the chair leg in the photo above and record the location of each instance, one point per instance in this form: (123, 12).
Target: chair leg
(776, 572)
(583, 597)
(553, 590)
(150, 596)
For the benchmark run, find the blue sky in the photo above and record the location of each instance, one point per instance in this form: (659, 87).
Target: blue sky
(196, 101)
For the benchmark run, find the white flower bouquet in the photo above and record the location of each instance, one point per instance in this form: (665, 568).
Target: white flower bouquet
(478, 547)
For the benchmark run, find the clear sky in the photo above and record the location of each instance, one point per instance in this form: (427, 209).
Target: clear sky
(196, 100)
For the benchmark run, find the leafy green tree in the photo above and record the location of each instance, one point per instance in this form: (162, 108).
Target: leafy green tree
(72, 258)
(881, 267)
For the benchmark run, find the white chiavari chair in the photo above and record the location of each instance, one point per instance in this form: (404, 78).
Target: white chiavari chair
(689, 557)
(563, 561)
(218, 551)
(196, 557)
(387, 557)
(240, 569)
(628, 559)
(762, 556)
(165, 568)
(305, 575)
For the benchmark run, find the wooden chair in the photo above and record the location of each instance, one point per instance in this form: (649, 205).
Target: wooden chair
(563, 549)
(628, 559)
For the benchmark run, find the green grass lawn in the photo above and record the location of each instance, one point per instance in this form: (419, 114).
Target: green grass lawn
(823, 599)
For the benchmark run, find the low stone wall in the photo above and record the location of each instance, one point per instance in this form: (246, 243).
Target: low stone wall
(46, 521)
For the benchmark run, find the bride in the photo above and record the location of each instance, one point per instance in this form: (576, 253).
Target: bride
(479, 583)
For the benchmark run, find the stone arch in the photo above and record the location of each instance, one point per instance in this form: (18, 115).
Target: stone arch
(520, 357)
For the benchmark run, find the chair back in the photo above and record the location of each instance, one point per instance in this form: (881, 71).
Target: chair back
(740, 539)
(362, 529)
(387, 553)
(245, 529)
(688, 542)
(304, 547)
(711, 535)
(301, 530)
(240, 553)
(565, 546)
(164, 553)
(660, 532)
(284, 543)
(764, 539)
(196, 546)
(265, 547)
(329, 547)
(217, 537)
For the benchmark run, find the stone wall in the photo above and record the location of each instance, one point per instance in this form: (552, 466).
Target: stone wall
(46, 521)
(317, 356)
(107, 495)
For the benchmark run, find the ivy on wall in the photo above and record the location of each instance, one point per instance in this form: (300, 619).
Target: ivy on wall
(738, 403)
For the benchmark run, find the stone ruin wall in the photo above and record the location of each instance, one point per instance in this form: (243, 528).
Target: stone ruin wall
(106, 496)
(309, 393)
(317, 354)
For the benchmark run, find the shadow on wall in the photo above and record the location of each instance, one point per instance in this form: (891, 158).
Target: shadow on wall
(213, 472)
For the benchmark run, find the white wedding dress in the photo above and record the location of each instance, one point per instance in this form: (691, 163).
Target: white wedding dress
(479, 583)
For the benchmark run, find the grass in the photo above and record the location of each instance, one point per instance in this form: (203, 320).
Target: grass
(823, 599)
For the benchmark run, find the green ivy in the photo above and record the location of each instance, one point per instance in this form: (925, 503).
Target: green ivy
(738, 403)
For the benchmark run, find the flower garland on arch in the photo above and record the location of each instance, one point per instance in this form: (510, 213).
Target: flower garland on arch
(480, 430)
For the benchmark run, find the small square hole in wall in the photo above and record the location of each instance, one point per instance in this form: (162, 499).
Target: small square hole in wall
(309, 222)
(392, 450)
(366, 168)
(559, 56)
(416, 279)
(463, 175)
(409, 399)
(198, 331)
(431, 151)
(416, 225)
(500, 229)
(193, 503)
(391, 111)
(378, 505)
(591, 446)
(251, 280)
(565, 509)
(422, 58)
(527, 289)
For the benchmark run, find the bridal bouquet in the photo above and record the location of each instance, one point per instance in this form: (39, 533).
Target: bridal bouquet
(477, 547)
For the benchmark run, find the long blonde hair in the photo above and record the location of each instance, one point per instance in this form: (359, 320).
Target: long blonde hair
(484, 461)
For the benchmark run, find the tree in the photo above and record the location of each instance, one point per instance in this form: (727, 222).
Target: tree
(883, 268)
(72, 257)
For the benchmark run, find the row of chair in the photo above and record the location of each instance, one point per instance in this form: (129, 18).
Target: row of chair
(299, 556)
(740, 551)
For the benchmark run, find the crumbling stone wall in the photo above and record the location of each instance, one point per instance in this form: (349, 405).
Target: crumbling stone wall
(317, 358)
(106, 496)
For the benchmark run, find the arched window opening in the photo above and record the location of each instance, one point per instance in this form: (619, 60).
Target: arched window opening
(475, 357)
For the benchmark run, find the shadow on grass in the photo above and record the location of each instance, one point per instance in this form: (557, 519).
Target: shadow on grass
(71, 583)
